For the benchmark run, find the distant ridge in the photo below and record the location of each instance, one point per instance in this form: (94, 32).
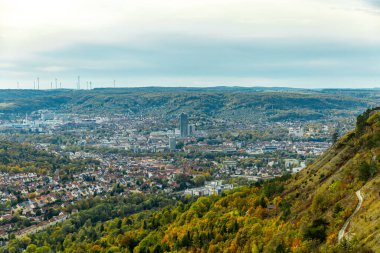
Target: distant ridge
(275, 103)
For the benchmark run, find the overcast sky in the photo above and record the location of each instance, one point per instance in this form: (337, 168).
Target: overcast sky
(296, 43)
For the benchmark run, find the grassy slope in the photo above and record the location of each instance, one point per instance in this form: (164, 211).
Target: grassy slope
(335, 178)
(365, 226)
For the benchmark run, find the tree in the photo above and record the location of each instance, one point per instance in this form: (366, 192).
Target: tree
(44, 249)
(96, 249)
(180, 145)
(113, 249)
(262, 202)
(319, 203)
(316, 231)
(335, 136)
(366, 171)
(337, 209)
(199, 180)
(31, 248)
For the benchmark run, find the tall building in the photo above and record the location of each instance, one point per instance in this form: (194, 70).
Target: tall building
(191, 129)
(184, 125)
(172, 143)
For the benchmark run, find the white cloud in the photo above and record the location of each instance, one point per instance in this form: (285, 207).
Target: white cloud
(5, 65)
(29, 28)
(47, 24)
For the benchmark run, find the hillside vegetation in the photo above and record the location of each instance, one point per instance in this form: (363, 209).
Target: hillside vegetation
(16, 157)
(238, 103)
(298, 213)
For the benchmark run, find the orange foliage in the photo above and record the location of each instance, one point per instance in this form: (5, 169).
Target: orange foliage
(331, 238)
(296, 243)
(96, 248)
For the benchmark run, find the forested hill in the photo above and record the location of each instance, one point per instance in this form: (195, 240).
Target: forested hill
(274, 103)
(299, 213)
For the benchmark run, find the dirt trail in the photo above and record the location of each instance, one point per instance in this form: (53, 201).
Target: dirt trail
(343, 229)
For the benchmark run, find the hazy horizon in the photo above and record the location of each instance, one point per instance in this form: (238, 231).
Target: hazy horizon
(192, 87)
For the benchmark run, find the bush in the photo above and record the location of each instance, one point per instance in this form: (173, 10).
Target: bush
(366, 171)
(317, 230)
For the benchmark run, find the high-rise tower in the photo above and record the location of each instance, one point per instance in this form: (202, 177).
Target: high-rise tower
(184, 125)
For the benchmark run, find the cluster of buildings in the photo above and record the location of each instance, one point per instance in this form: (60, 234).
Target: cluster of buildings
(305, 148)
(210, 188)
(140, 134)
(122, 131)
(149, 160)
(4, 230)
(310, 132)
(266, 169)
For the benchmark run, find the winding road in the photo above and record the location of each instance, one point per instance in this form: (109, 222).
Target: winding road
(343, 229)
